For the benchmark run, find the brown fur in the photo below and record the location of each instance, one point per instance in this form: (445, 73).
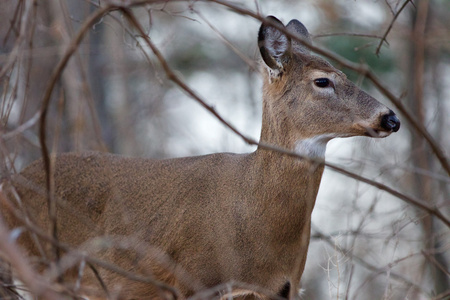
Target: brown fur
(198, 222)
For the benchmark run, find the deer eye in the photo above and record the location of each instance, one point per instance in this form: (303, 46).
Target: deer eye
(322, 82)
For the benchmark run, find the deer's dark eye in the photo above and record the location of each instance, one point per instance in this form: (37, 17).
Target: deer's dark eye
(322, 82)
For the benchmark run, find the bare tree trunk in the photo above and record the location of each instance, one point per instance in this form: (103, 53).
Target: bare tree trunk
(78, 98)
(125, 141)
(421, 154)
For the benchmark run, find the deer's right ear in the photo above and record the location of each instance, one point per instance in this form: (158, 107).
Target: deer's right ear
(273, 45)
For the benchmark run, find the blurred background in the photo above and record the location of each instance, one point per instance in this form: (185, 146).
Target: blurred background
(114, 96)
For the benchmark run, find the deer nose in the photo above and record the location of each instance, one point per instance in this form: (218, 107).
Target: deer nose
(390, 122)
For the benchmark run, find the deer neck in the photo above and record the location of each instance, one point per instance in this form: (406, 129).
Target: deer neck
(282, 171)
(290, 176)
(285, 190)
(283, 174)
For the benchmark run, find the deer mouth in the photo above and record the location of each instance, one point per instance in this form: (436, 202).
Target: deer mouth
(387, 124)
(376, 133)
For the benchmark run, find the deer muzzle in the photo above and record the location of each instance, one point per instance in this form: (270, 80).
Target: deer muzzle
(390, 122)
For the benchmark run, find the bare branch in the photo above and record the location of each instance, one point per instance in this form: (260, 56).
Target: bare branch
(21, 38)
(242, 56)
(20, 129)
(373, 36)
(365, 264)
(22, 266)
(383, 39)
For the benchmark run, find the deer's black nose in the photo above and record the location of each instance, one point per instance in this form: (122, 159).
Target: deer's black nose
(390, 122)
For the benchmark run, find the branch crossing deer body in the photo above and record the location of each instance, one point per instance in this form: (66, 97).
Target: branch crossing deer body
(198, 222)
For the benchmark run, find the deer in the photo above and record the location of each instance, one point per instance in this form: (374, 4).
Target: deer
(198, 223)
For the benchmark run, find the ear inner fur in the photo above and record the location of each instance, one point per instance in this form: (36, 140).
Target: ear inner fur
(273, 45)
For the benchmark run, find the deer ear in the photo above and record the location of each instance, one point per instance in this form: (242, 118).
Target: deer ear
(298, 29)
(273, 44)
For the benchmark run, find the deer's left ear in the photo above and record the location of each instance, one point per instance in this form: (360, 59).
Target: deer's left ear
(274, 45)
(298, 29)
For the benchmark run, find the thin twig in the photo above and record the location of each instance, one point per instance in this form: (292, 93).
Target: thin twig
(367, 265)
(23, 127)
(383, 39)
(239, 53)
(12, 56)
(13, 21)
(443, 296)
(85, 90)
(99, 278)
(373, 36)
(22, 266)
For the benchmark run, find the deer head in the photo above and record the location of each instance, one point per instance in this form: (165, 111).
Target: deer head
(307, 101)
